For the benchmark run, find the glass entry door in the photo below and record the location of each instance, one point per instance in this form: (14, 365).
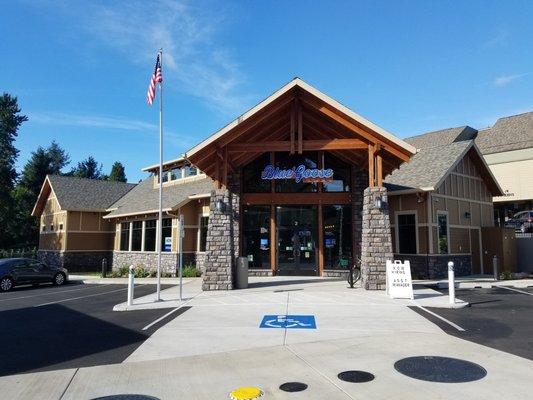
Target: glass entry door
(296, 233)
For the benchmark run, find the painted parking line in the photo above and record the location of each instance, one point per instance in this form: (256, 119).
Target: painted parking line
(516, 290)
(47, 293)
(84, 297)
(439, 317)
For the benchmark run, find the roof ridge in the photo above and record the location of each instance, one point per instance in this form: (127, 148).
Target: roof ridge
(438, 130)
(88, 179)
(512, 116)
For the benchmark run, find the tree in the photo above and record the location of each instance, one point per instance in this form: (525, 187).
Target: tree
(10, 121)
(41, 163)
(88, 168)
(117, 173)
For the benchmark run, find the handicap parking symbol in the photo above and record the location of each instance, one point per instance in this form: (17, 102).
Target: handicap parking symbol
(288, 321)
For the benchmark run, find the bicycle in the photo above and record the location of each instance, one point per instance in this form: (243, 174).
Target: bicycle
(354, 273)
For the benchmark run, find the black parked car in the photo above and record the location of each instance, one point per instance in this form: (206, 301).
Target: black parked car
(522, 222)
(21, 271)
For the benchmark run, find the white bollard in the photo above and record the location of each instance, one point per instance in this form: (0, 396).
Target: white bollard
(495, 267)
(451, 282)
(131, 277)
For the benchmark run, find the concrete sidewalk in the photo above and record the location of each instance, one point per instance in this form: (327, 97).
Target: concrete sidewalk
(214, 376)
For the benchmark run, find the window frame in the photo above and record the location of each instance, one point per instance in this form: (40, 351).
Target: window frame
(397, 229)
(445, 213)
(199, 234)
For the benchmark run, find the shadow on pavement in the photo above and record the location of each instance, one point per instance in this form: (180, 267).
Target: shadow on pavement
(37, 337)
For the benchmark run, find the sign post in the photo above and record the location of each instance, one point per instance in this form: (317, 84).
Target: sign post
(399, 282)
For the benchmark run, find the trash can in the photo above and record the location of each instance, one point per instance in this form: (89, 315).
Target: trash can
(241, 280)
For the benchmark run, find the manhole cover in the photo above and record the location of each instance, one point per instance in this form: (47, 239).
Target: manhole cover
(356, 376)
(127, 397)
(440, 369)
(293, 387)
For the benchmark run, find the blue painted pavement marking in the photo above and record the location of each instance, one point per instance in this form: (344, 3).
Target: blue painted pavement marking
(288, 321)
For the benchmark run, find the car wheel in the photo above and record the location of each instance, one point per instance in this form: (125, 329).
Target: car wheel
(59, 279)
(6, 284)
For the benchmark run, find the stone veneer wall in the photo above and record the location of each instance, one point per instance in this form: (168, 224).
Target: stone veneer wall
(200, 261)
(169, 261)
(259, 272)
(360, 182)
(376, 239)
(75, 261)
(222, 244)
(434, 266)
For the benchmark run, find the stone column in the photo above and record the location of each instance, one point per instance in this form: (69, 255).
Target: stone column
(222, 244)
(376, 239)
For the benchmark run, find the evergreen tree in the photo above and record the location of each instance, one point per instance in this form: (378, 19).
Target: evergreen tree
(42, 162)
(88, 168)
(117, 173)
(10, 121)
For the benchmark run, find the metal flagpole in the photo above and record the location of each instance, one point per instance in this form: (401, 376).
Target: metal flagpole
(160, 228)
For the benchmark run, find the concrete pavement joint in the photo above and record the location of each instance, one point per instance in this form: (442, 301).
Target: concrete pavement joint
(69, 383)
(319, 373)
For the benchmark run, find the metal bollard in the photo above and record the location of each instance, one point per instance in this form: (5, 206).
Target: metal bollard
(495, 267)
(104, 267)
(131, 276)
(451, 282)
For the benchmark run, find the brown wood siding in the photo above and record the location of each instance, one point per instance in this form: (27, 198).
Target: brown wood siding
(90, 241)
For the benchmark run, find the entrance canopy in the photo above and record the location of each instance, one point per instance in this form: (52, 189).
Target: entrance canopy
(299, 118)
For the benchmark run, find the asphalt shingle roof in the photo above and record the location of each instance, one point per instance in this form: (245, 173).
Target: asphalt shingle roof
(442, 137)
(87, 194)
(507, 134)
(145, 197)
(427, 167)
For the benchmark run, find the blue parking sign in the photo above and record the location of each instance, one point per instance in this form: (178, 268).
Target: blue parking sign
(288, 321)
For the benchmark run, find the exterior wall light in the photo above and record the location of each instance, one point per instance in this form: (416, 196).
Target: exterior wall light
(467, 215)
(378, 202)
(219, 205)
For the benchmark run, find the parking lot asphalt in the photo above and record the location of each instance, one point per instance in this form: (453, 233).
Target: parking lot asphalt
(48, 327)
(499, 317)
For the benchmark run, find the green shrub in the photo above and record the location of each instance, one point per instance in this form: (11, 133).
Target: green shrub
(190, 271)
(22, 252)
(506, 275)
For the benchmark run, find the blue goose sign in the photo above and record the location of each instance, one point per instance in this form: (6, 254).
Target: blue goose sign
(300, 174)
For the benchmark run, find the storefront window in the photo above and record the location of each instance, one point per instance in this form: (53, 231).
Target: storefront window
(442, 228)
(406, 233)
(337, 236)
(150, 235)
(342, 175)
(124, 236)
(251, 174)
(166, 234)
(136, 235)
(204, 222)
(286, 161)
(256, 226)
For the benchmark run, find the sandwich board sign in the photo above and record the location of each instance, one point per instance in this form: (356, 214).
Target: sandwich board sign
(399, 283)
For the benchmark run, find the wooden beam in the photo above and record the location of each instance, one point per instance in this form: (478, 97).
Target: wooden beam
(306, 145)
(368, 136)
(273, 244)
(321, 241)
(379, 166)
(293, 126)
(216, 181)
(371, 180)
(300, 128)
(225, 169)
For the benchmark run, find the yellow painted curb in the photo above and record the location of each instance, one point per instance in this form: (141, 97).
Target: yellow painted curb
(246, 393)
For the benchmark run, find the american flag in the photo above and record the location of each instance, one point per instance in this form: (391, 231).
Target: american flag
(156, 78)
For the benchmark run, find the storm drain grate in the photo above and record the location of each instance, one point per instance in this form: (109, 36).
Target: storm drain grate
(356, 376)
(440, 369)
(127, 397)
(293, 387)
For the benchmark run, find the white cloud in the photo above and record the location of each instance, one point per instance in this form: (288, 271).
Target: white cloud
(104, 122)
(499, 39)
(504, 80)
(193, 61)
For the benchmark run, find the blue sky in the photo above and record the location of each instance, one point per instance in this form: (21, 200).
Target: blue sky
(81, 68)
